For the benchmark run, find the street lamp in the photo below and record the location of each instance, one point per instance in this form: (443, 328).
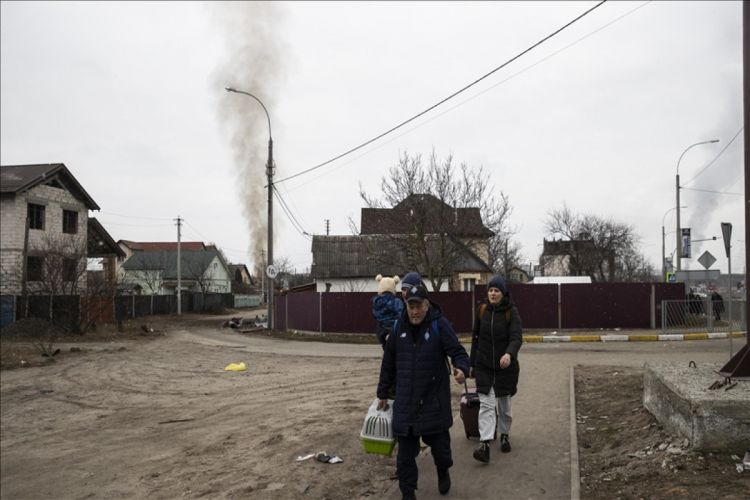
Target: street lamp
(678, 232)
(269, 174)
(663, 256)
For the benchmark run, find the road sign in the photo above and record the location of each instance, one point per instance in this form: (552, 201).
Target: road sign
(271, 271)
(726, 232)
(707, 260)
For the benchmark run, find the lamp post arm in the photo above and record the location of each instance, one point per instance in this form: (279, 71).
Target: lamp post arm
(268, 117)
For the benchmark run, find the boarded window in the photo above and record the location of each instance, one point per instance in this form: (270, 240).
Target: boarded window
(70, 270)
(34, 266)
(36, 216)
(70, 221)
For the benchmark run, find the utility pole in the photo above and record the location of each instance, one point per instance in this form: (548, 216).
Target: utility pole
(263, 275)
(179, 271)
(328, 226)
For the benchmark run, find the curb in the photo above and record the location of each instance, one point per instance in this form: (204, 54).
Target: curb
(629, 338)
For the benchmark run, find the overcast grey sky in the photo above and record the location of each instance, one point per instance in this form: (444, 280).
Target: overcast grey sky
(130, 97)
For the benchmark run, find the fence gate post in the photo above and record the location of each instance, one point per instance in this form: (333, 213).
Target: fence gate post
(653, 307)
(320, 312)
(559, 307)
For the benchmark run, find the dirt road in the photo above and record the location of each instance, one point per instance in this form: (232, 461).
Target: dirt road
(161, 419)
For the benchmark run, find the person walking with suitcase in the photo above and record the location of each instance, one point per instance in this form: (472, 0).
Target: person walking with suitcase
(495, 343)
(415, 362)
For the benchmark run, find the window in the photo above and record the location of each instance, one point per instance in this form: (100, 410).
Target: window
(70, 222)
(36, 216)
(34, 266)
(469, 284)
(69, 270)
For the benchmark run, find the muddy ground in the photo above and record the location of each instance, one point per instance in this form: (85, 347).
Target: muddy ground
(143, 414)
(626, 454)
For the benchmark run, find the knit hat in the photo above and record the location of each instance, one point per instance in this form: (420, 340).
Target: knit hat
(411, 279)
(386, 284)
(498, 282)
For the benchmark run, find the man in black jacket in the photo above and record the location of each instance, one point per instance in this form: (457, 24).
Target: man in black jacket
(494, 362)
(415, 356)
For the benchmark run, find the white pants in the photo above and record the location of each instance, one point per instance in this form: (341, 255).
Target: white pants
(494, 410)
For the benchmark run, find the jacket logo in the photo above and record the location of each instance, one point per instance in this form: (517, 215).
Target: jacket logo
(426, 336)
(403, 335)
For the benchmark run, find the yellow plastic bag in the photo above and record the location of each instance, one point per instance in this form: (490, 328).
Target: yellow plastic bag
(235, 367)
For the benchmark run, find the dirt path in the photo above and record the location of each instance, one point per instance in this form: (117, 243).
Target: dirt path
(90, 427)
(161, 419)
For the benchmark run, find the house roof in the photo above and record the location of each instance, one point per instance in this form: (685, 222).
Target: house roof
(464, 222)
(565, 247)
(99, 242)
(365, 256)
(163, 246)
(192, 263)
(21, 178)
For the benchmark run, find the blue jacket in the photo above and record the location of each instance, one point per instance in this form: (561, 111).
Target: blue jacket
(386, 309)
(414, 360)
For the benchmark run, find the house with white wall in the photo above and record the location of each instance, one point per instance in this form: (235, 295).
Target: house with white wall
(154, 272)
(43, 230)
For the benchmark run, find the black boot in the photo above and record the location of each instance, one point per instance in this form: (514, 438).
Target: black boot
(483, 452)
(504, 443)
(444, 481)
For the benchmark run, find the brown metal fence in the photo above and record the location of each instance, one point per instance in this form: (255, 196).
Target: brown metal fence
(585, 306)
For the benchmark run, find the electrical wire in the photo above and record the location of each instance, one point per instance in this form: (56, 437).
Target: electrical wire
(451, 96)
(478, 94)
(135, 216)
(715, 158)
(290, 215)
(710, 191)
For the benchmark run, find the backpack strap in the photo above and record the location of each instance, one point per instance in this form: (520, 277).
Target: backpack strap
(483, 309)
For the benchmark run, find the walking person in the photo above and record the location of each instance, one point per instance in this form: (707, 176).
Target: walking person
(718, 304)
(415, 362)
(495, 343)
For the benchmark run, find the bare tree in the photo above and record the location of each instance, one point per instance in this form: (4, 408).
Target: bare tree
(432, 241)
(604, 249)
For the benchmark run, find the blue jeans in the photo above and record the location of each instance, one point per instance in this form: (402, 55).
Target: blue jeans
(408, 449)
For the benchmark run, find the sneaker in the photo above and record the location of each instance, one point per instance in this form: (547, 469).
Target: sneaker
(408, 496)
(483, 452)
(444, 481)
(504, 443)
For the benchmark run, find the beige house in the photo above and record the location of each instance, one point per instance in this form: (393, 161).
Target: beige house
(43, 230)
(418, 232)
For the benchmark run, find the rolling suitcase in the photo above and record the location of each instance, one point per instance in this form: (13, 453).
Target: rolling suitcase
(469, 410)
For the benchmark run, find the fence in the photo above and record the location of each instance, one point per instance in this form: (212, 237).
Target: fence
(699, 315)
(565, 306)
(75, 311)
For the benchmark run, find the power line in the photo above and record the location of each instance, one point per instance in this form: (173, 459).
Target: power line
(716, 157)
(290, 215)
(709, 191)
(478, 94)
(454, 94)
(135, 216)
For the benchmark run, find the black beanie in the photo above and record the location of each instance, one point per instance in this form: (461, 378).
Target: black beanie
(499, 283)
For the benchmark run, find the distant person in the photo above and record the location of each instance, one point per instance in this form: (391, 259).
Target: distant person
(415, 362)
(495, 343)
(386, 307)
(718, 304)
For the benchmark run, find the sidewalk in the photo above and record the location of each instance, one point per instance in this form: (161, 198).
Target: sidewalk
(629, 336)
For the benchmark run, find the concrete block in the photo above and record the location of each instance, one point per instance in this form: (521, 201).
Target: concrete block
(678, 395)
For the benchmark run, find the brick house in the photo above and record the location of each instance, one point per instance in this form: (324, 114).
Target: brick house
(43, 230)
(350, 263)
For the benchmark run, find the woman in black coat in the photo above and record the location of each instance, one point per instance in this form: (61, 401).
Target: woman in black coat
(494, 363)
